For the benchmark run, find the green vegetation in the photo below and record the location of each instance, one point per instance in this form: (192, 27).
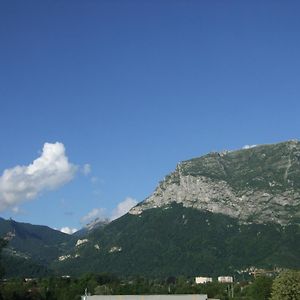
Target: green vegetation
(20, 267)
(40, 243)
(286, 286)
(3, 243)
(31, 248)
(260, 289)
(60, 288)
(161, 242)
(244, 168)
(183, 241)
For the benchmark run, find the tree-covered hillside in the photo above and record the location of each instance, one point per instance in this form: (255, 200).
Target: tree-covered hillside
(183, 241)
(31, 248)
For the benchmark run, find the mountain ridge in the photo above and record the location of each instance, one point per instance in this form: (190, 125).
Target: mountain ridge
(258, 184)
(32, 246)
(223, 212)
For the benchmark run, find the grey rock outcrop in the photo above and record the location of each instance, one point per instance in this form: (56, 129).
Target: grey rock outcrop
(260, 184)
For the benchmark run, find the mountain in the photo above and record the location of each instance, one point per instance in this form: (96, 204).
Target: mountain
(176, 240)
(260, 184)
(88, 228)
(217, 214)
(31, 246)
(221, 213)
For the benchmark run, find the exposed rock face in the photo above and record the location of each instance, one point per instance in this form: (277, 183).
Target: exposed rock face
(260, 184)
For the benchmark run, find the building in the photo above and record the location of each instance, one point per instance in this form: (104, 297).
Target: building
(202, 280)
(145, 297)
(225, 279)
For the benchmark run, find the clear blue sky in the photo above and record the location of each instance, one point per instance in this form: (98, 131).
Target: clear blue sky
(133, 87)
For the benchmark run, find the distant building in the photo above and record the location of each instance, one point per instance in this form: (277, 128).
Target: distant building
(145, 297)
(225, 279)
(202, 280)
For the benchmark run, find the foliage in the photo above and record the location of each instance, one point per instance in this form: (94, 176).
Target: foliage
(31, 248)
(260, 289)
(65, 288)
(175, 240)
(69, 288)
(21, 267)
(40, 243)
(243, 169)
(286, 286)
(3, 243)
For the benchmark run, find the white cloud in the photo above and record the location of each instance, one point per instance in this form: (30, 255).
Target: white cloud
(86, 169)
(48, 172)
(93, 214)
(101, 215)
(68, 230)
(249, 146)
(123, 207)
(16, 210)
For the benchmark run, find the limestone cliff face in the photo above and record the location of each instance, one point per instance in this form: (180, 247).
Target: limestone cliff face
(260, 184)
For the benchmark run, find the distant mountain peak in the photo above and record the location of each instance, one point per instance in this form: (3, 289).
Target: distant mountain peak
(96, 223)
(88, 228)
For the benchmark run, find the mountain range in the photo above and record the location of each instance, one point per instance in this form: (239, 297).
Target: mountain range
(221, 213)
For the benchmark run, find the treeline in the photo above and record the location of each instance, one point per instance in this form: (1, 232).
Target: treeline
(284, 287)
(65, 288)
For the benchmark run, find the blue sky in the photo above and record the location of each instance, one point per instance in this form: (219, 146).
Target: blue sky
(133, 87)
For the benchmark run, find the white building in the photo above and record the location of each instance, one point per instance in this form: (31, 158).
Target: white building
(202, 280)
(225, 279)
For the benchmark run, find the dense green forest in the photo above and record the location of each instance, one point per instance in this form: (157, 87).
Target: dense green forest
(176, 240)
(162, 242)
(286, 286)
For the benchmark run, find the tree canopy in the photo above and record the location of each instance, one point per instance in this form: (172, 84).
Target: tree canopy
(2, 245)
(286, 286)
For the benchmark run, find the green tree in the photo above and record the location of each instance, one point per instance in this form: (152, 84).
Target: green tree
(260, 289)
(3, 243)
(286, 286)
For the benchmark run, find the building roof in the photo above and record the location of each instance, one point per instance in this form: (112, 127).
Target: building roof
(145, 297)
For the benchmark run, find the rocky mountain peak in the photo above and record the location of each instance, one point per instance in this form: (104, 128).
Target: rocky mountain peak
(258, 184)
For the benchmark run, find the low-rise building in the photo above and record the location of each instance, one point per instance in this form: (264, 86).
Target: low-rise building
(202, 280)
(225, 279)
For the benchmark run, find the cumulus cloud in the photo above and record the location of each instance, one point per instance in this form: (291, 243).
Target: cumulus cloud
(94, 214)
(68, 230)
(123, 208)
(48, 172)
(86, 169)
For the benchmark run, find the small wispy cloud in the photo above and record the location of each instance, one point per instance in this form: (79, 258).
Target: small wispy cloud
(48, 172)
(100, 213)
(93, 214)
(86, 169)
(249, 146)
(68, 230)
(123, 208)
(94, 179)
(17, 210)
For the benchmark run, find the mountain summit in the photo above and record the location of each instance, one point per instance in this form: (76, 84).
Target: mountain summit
(259, 184)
